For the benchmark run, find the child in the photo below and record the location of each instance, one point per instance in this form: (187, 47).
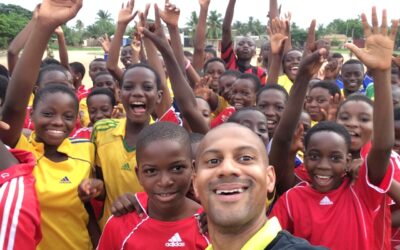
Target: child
(290, 66)
(78, 73)
(101, 103)
(238, 58)
(319, 99)
(105, 80)
(327, 160)
(352, 75)
(164, 169)
(214, 68)
(96, 66)
(62, 163)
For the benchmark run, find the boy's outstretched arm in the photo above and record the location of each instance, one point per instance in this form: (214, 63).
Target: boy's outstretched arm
(226, 25)
(52, 13)
(62, 47)
(125, 16)
(377, 56)
(280, 149)
(200, 36)
(183, 93)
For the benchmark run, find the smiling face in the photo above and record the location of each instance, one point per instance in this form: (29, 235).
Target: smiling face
(356, 117)
(126, 56)
(243, 94)
(352, 76)
(54, 118)
(99, 107)
(291, 63)
(318, 99)
(326, 160)
(232, 177)
(214, 70)
(139, 94)
(272, 102)
(245, 48)
(225, 86)
(165, 178)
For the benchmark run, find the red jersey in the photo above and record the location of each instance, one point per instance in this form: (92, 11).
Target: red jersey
(133, 232)
(231, 61)
(223, 116)
(83, 133)
(19, 207)
(340, 219)
(171, 116)
(82, 92)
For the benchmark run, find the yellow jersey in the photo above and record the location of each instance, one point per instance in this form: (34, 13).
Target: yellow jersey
(116, 161)
(222, 104)
(285, 82)
(63, 216)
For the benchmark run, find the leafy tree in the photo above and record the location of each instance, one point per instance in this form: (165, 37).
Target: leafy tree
(299, 35)
(104, 15)
(13, 19)
(191, 24)
(214, 24)
(103, 25)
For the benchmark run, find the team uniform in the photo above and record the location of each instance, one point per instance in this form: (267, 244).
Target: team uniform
(19, 207)
(231, 61)
(116, 160)
(285, 82)
(131, 231)
(223, 116)
(64, 217)
(83, 133)
(347, 213)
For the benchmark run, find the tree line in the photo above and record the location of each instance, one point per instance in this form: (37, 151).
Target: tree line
(13, 19)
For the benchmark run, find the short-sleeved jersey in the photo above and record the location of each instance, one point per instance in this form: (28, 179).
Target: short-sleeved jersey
(223, 116)
(19, 207)
(222, 104)
(347, 213)
(83, 133)
(231, 62)
(133, 232)
(64, 217)
(285, 82)
(116, 160)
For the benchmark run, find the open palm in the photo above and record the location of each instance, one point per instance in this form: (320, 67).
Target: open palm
(58, 12)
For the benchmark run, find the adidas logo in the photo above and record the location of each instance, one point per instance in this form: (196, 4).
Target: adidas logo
(175, 241)
(65, 180)
(325, 201)
(126, 167)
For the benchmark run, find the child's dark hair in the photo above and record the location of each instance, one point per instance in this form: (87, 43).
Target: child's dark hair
(285, 54)
(102, 73)
(329, 85)
(337, 55)
(4, 71)
(102, 91)
(211, 50)
(162, 131)
(49, 61)
(52, 89)
(254, 79)
(233, 73)
(214, 59)
(234, 117)
(3, 88)
(78, 67)
(141, 65)
(356, 97)
(397, 114)
(273, 86)
(354, 61)
(49, 68)
(328, 126)
(99, 59)
(195, 137)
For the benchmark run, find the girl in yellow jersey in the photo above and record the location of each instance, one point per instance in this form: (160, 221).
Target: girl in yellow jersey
(62, 164)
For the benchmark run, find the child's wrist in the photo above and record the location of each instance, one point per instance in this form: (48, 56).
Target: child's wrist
(188, 64)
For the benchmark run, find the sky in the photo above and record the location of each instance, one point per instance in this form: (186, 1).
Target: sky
(303, 11)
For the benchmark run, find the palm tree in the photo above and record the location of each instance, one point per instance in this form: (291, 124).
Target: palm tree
(79, 25)
(104, 15)
(191, 24)
(214, 24)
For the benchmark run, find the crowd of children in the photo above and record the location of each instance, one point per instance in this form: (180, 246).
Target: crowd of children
(302, 149)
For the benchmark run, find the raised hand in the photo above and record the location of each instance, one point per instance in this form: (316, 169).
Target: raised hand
(54, 13)
(311, 63)
(105, 43)
(89, 189)
(170, 14)
(143, 18)
(125, 15)
(378, 50)
(59, 31)
(202, 89)
(310, 42)
(204, 3)
(277, 32)
(330, 114)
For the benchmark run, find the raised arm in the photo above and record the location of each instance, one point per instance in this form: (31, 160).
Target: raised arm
(183, 93)
(52, 13)
(227, 25)
(278, 36)
(125, 16)
(62, 47)
(200, 36)
(377, 56)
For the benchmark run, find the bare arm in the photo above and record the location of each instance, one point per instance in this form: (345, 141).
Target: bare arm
(52, 13)
(226, 25)
(124, 17)
(200, 36)
(377, 56)
(62, 47)
(278, 37)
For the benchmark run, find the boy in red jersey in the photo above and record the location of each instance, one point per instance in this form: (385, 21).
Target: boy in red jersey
(164, 169)
(19, 207)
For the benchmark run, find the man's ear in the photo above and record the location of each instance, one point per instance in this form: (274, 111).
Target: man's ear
(271, 179)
